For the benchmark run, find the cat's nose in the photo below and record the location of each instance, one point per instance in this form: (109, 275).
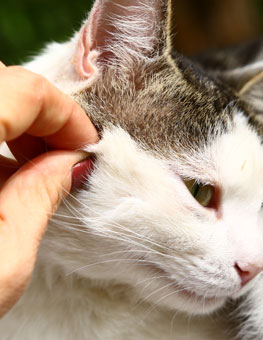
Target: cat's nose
(247, 272)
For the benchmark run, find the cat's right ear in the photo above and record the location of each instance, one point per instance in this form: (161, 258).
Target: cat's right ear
(118, 32)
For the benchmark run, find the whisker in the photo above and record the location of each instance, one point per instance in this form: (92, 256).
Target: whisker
(120, 236)
(135, 261)
(73, 209)
(159, 289)
(161, 299)
(150, 279)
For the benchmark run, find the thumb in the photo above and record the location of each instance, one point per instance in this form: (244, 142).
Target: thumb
(27, 201)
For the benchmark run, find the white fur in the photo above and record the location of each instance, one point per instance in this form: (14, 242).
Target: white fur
(252, 311)
(57, 63)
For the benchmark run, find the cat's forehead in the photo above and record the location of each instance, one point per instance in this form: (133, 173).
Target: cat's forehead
(166, 110)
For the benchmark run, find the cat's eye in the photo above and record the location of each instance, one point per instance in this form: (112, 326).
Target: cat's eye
(202, 193)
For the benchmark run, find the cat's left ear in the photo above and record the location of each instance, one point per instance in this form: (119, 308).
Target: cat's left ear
(247, 82)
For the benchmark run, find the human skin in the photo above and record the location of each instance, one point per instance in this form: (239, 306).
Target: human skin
(34, 116)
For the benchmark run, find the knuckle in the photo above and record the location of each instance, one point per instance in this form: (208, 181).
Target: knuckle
(34, 85)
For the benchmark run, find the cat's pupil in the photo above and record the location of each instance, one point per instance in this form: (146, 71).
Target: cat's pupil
(202, 193)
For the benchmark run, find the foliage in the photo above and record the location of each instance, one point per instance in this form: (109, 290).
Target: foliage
(25, 26)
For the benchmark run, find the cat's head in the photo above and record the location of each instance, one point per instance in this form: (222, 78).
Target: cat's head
(172, 208)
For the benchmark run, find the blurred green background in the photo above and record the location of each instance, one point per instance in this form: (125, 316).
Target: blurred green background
(27, 25)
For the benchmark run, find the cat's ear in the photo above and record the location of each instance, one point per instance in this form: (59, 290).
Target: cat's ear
(116, 33)
(252, 91)
(120, 31)
(247, 82)
(116, 30)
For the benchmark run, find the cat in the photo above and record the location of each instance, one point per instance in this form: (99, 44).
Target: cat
(164, 239)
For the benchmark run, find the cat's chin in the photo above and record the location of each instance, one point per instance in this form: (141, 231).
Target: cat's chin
(194, 304)
(186, 301)
(180, 298)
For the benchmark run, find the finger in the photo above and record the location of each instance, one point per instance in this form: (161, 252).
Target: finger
(26, 147)
(84, 133)
(35, 191)
(29, 103)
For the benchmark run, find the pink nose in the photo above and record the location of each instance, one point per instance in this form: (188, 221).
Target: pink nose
(247, 272)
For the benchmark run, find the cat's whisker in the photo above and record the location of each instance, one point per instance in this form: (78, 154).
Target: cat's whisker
(151, 279)
(161, 288)
(150, 241)
(110, 234)
(158, 290)
(137, 234)
(130, 251)
(118, 238)
(172, 327)
(105, 235)
(156, 303)
(74, 210)
(70, 207)
(135, 261)
(64, 216)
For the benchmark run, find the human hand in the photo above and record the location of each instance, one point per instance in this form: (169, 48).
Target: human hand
(33, 114)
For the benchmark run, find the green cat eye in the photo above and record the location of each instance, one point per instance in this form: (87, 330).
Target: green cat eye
(202, 193)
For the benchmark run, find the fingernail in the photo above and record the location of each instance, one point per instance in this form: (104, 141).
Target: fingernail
(81, 172)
